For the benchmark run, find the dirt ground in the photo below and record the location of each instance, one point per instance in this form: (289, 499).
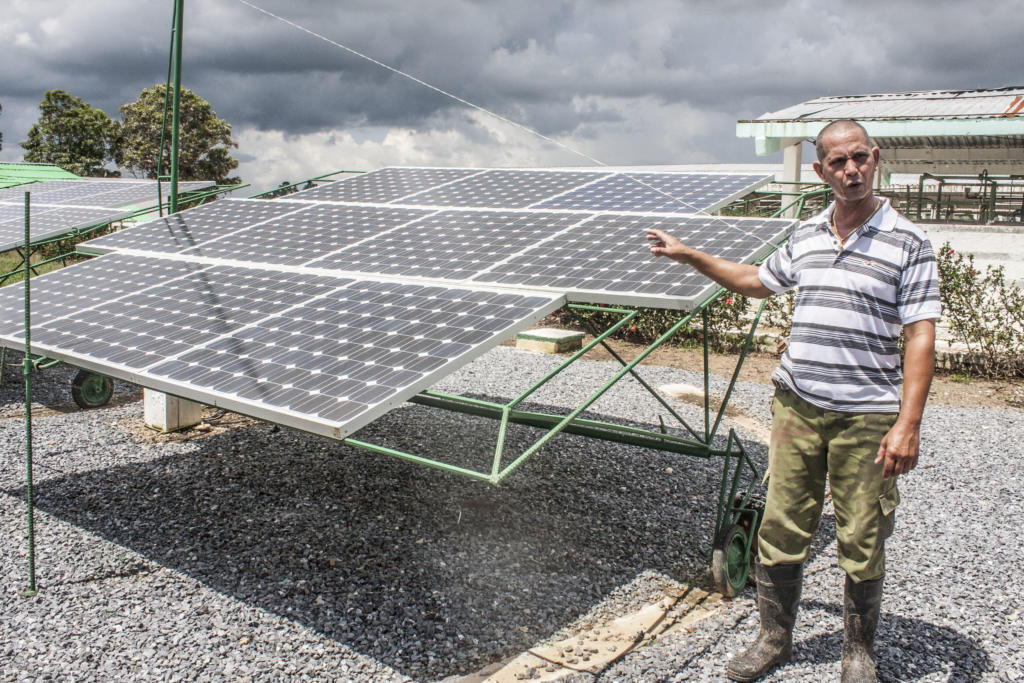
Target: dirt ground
(947, 389)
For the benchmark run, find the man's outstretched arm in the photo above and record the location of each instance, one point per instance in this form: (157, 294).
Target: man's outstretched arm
(737, 277)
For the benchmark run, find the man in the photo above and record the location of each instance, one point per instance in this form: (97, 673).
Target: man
(863, 272)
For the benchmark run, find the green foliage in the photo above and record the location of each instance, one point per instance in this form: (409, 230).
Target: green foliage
(204, 144)
(285, 188)
(71, 134)
(984, 312)
(725, 315)
(778, 312)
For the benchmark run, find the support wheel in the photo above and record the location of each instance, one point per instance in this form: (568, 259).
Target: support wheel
(730, 561)
(747, 520)
(91, 390)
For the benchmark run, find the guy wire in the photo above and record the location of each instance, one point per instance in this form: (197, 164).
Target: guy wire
(499, 117)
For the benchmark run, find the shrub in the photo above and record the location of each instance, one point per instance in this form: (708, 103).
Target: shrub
(984, 312)
(725, 314)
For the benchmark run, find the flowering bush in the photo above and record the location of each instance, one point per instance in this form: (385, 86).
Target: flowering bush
(984, 312)
(725, 314)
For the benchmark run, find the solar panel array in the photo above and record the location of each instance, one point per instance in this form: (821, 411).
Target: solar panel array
(60, 207)
(479, 226)
(327, 308)
(321, 353)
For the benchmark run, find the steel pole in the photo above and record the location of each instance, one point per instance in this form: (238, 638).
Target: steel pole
(176, 116)
(26, 370)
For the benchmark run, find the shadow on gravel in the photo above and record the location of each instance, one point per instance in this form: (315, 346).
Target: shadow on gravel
(427, 572)
(51, 389)
(907, 649)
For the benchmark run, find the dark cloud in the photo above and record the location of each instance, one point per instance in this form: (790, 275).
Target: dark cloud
(596, 72)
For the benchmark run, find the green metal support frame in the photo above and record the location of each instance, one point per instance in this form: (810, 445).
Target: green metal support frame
(740, 475)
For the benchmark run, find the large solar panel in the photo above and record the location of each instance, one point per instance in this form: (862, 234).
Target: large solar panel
(502, 189)
(49, 220)
(450, 245)
(320, 353)
(605, 260)
(64, 206)
(17, 192)
(384, 185)
(111, 193)
(194, 227)
(658, 192)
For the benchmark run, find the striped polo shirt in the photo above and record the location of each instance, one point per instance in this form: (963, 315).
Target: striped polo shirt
(851, 303)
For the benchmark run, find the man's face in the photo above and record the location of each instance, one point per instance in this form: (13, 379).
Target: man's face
(849, 164)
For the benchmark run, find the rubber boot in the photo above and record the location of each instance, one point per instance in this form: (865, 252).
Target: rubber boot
(861, 605)
(778, 595)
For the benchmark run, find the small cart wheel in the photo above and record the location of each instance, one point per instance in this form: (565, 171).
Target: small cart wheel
(91, 390)
(752, 506)
(730, 561)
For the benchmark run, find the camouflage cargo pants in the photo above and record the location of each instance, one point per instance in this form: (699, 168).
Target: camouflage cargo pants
(808, 444)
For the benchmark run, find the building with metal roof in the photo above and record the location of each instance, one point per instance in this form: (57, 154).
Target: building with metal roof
(935, 131)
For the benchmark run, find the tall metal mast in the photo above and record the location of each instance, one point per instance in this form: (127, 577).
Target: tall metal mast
(176, 116)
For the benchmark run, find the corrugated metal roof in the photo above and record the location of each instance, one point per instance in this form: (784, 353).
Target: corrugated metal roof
(951, 141)
(927, 104)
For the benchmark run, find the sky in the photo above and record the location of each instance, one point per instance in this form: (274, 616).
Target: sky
(617, 81)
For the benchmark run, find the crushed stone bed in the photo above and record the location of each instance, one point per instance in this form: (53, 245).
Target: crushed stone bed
(251, 552)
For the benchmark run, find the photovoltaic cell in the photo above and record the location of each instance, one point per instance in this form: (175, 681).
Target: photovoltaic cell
(453, 245)
(502, 189)
(657, 192)
(382, 186)
(325, 354)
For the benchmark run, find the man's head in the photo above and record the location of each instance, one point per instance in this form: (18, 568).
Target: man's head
(847, 159)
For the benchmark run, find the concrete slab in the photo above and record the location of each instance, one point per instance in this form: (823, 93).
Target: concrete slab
(550, 340)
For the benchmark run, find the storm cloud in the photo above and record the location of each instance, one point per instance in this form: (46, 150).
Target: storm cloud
(627, 81)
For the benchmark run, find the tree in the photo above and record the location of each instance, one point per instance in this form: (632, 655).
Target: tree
(71, 134)
(1, 132)
(203, 147)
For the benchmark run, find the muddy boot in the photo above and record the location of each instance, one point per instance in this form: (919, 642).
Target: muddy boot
(860, 620)
(778, 594)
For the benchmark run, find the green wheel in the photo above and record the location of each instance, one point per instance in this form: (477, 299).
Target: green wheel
(91, 390)
(730, 561)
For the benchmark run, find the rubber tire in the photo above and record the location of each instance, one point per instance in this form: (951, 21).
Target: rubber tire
(730, 562)
(91, 390)
(757, 506)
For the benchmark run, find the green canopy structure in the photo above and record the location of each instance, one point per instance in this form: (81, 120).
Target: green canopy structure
(13, 173)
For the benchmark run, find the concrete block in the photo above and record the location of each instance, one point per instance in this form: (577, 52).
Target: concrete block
(170, 413)
(549, 340)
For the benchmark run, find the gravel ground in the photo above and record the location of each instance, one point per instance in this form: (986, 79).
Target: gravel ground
(253, 552)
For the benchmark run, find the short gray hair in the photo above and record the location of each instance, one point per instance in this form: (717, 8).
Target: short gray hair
(838, 125)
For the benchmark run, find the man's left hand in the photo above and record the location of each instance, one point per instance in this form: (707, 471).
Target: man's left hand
(899, 449)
